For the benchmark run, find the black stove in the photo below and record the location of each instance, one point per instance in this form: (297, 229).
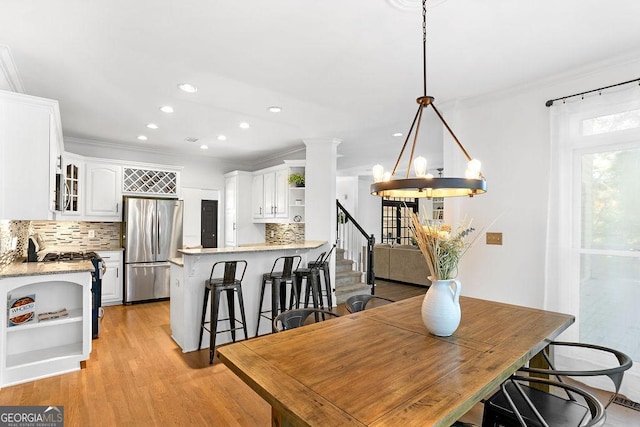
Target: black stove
(69, 256)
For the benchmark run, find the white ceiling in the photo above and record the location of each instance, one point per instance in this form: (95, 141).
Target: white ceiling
(344, 69)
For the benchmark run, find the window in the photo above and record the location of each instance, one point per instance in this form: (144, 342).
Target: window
(396, 218)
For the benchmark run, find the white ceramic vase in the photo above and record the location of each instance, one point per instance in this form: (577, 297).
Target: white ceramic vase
(441, 307)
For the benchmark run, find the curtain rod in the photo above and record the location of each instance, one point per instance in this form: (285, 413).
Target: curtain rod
(550, 102)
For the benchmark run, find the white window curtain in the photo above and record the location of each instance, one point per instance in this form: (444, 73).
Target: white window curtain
(593, 234)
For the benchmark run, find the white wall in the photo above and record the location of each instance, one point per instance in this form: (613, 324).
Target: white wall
(510, 134)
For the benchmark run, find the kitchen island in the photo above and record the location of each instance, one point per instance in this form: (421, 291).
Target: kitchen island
(188, 275)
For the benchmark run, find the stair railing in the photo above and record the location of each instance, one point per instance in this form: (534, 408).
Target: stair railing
(357, 244)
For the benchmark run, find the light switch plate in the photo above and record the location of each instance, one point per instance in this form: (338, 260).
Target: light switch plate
(14, 243)
(92, 234)
(494, 238)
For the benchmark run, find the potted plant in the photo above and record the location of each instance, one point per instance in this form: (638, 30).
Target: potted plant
(297, 179)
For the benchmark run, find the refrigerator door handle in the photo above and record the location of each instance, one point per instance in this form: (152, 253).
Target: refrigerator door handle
(150, 264)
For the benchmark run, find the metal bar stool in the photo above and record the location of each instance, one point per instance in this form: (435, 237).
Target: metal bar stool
(312, 276)
(231, 286)
(323, 264)
(281, 274)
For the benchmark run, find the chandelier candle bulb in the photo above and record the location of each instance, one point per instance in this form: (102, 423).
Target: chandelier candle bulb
(420, 166)
(378, 173)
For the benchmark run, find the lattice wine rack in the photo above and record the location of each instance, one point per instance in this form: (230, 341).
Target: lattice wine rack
(147, 181)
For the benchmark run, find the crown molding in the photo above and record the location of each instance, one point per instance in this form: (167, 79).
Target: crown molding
(9, 77)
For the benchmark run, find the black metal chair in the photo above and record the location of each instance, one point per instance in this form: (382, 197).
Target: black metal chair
(323, 265)
(494, 411)
(312, 277)
(521, 405)
(297, 317)
(282, 273)
(231, 285)
(357, 303)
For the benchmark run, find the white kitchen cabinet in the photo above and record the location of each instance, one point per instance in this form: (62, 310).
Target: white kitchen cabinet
(72, 188)
(270, 194)
(40, 349)
(103, 196)
(29, 140)
(112, 284)
(239, 228)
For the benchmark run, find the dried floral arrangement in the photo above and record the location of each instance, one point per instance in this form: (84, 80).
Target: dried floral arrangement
(441, 248)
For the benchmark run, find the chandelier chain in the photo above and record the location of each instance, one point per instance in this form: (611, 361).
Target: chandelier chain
(424, 45)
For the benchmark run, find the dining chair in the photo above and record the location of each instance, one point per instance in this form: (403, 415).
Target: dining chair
(519, 404)
(357, 303)
(614, 373)
(297, 317)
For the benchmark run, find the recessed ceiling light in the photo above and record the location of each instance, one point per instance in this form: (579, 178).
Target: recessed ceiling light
(142, 137)
(275, 109)
(152, 126)
(188, 87)
(166, 109)
(244, 125)
(397, 134)
(191, 139)
(222, 138)
(204, 147)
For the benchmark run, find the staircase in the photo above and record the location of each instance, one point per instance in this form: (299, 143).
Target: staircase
(348, 281)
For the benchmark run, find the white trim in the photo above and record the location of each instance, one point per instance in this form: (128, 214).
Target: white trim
(9, 77)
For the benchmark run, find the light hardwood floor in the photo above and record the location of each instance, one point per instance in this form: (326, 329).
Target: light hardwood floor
(137, 376)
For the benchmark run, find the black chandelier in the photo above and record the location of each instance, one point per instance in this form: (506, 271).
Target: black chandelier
(424, 184)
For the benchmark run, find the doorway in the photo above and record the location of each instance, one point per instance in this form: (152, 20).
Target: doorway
(209, 224)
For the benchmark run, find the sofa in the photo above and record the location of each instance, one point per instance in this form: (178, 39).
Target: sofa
(400, 263)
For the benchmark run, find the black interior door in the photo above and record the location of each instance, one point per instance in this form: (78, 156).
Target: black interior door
(209, 224)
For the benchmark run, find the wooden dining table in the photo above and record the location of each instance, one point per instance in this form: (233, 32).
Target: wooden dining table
(381, 367)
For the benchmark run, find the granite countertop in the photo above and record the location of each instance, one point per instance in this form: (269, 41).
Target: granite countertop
(258, 247)
(39, 268)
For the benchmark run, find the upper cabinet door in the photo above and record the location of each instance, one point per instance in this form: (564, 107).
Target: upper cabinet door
(269, 183)
(257, 196)
(25, 166)
(281, 191)
(104, 192)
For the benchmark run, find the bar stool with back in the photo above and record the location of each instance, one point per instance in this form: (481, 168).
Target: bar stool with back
(282, 272)
(232, 286)
(323, 264)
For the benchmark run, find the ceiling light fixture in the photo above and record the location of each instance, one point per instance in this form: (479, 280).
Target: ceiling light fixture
(166, 109)
(152, 126)
(424, 184)
(142, 137)
(397, 134)
(222, 138)
(244, 125)
(188, 87)
(275, 109)
(204, 147)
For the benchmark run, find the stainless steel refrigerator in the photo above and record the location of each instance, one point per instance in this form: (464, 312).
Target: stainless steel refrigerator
(152, 235)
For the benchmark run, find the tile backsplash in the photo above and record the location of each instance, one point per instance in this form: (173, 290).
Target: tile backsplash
(107, 235)
(76, 234)
(283, 234)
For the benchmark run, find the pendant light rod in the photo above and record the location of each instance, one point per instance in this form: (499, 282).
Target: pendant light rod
(424, 47)
(453, 135)
(406, 140)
